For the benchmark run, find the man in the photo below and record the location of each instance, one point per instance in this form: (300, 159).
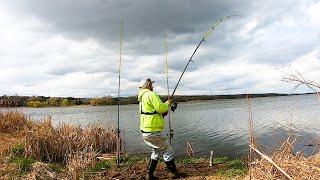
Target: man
(152, 110)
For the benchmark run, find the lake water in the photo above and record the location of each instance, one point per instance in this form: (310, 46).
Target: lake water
(218, 125)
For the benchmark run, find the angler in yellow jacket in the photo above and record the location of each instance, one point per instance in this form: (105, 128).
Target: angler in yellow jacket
(152, 111)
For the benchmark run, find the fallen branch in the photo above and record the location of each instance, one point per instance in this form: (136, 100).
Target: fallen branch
(271, 161)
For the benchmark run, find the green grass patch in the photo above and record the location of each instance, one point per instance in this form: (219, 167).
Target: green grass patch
(24, 163)
(18, 150)
(131, 159)
(233, 168)
(99, 166)
(220, 160)
(193, 160)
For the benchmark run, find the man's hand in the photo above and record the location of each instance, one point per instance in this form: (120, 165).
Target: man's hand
(170, 101)
(165, 114)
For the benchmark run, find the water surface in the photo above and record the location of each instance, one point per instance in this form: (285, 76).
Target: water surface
(217, 125)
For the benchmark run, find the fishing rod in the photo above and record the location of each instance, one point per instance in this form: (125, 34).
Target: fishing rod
(118, 99)
(174, 105)
(167, 80)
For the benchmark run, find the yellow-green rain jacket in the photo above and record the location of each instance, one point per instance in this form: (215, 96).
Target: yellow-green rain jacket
(150, 102)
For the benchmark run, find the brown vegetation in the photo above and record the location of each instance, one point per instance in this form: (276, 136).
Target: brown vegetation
(81, 160)
(76, 150)
(12, 121)
(9, 140)
(295, 166)
(283, 162)
(70, 145)
(45, 142)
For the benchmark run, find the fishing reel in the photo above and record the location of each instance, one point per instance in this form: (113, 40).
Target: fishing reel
(174, 106)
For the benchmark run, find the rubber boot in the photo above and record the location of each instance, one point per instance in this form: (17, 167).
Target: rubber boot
(151, 168)
(173, 172)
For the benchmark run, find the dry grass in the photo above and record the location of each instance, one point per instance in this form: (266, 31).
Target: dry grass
(45, 142)
(297, 166)
(79, 161)
(72, 145)
(12, 121)
(282, 163)
(9, 140)
(41, 171)
(56, 144)
(13, 125)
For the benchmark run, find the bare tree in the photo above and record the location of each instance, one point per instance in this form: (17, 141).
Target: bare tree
(296, 77)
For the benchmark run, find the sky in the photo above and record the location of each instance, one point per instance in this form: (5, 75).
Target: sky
(71, 47)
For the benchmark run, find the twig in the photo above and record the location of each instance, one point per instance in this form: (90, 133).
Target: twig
(190, 150)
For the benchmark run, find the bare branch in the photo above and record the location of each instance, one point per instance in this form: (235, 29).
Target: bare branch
(296, 77)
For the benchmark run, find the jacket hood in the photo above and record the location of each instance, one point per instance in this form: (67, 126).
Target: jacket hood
(141, 93)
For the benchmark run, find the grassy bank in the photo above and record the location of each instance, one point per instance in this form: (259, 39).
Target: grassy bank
(17, 165)
(36, 150)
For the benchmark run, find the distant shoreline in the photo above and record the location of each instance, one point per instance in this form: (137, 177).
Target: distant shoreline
(42, 101)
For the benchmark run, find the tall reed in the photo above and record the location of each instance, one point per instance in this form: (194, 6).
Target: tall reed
(12, 121)
(49, 143)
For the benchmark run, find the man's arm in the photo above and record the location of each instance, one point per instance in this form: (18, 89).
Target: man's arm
(159, 106)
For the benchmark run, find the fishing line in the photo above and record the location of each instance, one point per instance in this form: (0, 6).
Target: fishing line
(174, 105)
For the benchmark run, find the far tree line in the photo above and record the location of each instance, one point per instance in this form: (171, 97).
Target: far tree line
(42, 101)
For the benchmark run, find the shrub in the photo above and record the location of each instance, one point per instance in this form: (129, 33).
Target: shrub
(30, 104)
(54, 101)
(65, 102)
(37, 104)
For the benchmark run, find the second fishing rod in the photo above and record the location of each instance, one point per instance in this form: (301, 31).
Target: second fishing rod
(174, 105)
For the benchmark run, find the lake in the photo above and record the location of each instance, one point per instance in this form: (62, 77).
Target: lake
(217, 125)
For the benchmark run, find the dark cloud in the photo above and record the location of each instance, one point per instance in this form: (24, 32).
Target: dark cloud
(144, 21)
(268, 34)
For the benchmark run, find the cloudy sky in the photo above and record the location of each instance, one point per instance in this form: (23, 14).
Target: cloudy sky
(71, 47)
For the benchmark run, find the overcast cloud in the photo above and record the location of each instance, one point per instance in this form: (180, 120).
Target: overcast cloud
(71, 48)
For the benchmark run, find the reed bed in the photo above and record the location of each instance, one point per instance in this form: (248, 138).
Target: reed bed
(295, 165)
(56, 144)
(285, 161)
(12, 121)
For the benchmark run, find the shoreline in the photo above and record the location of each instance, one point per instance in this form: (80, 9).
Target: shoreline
(132, 100)
(28, 150)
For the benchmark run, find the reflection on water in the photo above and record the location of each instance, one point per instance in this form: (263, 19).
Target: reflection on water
(219, 125)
